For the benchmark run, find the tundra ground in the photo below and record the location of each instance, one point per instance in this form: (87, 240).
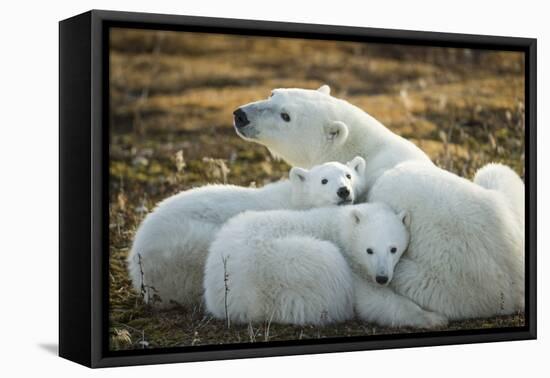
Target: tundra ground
(172, 95)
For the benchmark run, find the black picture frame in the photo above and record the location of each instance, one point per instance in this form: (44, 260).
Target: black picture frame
(83, 179)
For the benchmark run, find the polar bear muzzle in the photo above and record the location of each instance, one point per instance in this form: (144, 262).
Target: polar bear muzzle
(242, 124)
(381, 279)
(240, 119)
(345, 196)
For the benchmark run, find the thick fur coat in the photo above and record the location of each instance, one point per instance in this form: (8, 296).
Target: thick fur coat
(466, 254)
(296, 267)
(170, 247)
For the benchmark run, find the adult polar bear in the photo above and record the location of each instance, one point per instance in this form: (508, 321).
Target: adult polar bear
(465, 257)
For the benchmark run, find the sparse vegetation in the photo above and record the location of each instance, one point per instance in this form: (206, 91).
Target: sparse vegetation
(172, 95)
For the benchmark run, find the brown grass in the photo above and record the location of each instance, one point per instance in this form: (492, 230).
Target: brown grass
(172, 95)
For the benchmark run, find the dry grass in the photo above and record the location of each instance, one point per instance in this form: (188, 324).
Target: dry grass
(172, 95)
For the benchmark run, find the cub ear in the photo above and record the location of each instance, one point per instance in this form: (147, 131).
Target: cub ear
(297, 175)
(358, 164)
(357, 216)
(336, 132)
(324, 89)
(405, 217)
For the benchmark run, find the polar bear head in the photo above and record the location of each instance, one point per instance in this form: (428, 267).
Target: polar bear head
(378, 236)
(328, 184)
(302, 126)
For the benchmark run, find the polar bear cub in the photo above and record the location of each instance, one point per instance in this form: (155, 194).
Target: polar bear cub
(299, 267)
(170, 247)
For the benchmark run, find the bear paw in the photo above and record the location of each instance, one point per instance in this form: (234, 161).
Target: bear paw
(430, 320)
(435, 320)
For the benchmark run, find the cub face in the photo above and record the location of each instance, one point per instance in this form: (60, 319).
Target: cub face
(328, 184)
(298, 124)
(379, 237)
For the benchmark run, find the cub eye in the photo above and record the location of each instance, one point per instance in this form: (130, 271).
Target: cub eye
(271, 95)
(348, 176)
(393, 250)
(324, 181)
(285, 117)
(370, 251)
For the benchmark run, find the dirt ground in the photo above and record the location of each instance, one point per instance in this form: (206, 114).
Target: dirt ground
(172, 96)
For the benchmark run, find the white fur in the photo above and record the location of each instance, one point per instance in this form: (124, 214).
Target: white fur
(323, 128)
(466, 254)
(286, 266)
(172, 242)
(502, 179)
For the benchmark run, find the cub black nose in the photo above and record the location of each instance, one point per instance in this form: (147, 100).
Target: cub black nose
(343, 192)
(381, 279)
(240, 118)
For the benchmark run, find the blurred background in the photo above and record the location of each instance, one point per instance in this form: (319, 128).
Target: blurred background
(172, 95)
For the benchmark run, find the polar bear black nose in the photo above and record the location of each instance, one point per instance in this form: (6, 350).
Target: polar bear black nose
(240, 118)
(381, 279)
(343, 192)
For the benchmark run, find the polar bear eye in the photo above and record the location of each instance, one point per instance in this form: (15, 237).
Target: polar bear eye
(285, 117)
(370, 251)
(324, 181)
(348, 176)
(393, 250)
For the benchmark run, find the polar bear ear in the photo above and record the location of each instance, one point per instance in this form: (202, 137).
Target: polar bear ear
(405, 217)
(297, 175)
(358, 164)
(324, 89)
(336, 132)
(356, 216)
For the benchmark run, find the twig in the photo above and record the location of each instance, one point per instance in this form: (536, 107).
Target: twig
(267, 324)
(145, 290)
(226, 286)
(142, 287)
(251, 333)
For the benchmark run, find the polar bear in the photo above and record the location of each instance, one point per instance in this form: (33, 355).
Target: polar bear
(466, 253)
(503, 180)
(302, 267)
(309, 127)
(169, 249)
